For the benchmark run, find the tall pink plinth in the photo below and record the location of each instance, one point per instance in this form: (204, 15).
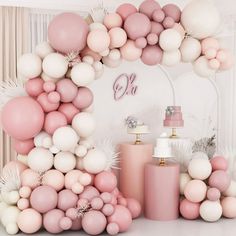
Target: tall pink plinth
(161, 191)
(132, 162)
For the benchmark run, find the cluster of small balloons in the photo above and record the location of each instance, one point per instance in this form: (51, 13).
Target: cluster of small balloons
(208, 191)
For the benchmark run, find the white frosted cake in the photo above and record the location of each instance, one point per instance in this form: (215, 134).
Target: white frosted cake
(139, 129)
(163, 147)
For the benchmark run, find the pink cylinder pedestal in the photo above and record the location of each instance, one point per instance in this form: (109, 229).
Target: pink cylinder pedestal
(162, 191)
(132, 162)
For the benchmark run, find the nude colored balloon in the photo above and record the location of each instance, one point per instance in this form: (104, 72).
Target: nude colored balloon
(83, 99)
(118, 37)
(130, 52)
(209, 43)
(189, 210)
(172, 11)
(112, 20)
(152, 55)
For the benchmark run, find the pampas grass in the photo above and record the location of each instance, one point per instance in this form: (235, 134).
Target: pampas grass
(98, 13)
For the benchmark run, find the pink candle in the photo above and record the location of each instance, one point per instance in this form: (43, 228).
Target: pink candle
(162, 191)
(132, 162)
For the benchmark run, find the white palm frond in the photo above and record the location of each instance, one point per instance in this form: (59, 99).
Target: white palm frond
(98, 13)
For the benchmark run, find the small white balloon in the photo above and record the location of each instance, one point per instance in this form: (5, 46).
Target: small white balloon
(111, 63)
(202, 68)
(54, 150)
(55, 65)
(211, 211)
(88, 59)
(3, 206)
(43, 49)
(105, 53)
(47, 142)
(13, 197)
(10, 215)
(64, 161)
(12, 228)
(184, 179)
(38, 139)
(96, 25)
(81, 151)
(171, 58)
(115, 54)
(170, 40)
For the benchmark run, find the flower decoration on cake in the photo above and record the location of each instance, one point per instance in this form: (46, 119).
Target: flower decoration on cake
(131, 122)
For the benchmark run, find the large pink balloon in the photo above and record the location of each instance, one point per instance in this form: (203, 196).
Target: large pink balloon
(148, 7)
(156, 28)
(137, 25)
(152, 55)
(84, 98)
(126, 10)
(13, 166)
(189, 210)
(23, 147)
(68, 32)
(22, 118)
(63, 197)
(105, 181)
(34, 87)
(173, 11)
(69, 110)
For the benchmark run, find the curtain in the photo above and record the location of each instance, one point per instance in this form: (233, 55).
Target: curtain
(14, 31)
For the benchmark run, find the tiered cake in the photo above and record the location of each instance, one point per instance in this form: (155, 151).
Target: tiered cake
(173, 117)
(163, 147)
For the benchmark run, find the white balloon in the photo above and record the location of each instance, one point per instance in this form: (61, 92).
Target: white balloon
(88, 59)
(231, 191)
(54, 150)
(84, 124)
(171, 58)
(55, 65)
(43, 49)
(64, 161)
(211, 211)
(96, 25)
(3, 206)
(87, 142)
(47, 142)
(81, 151)
(22, 158)
(10, 215)
(201, 67)
(95, 161)
(12, 228)
(190, 49)
(114, 54)
(170, 40)
(184, 179)
(29, 65)
(82, 74)
(46, 78)
(105, 53)
(13, 197)
(200, 19)
(65, 138)
(40, 159)
(111, 63)
(38, 139)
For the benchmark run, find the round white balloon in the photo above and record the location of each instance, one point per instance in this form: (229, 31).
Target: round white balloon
(46, 78)
(201, 67)
(231, 191)
(170, 40)
(81, 151)
(43, 49)
(171, 58)
(39, 138)
(111, 63)
(88, 59)
(210, 211)
(64, 161)
(184, 179)
(97, 25)
(10, 215)
(12, 228)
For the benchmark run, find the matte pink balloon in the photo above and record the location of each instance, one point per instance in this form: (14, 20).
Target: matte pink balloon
(108, 209)
(105, 181)
(89, 193)
(43, 199)
(66, 199)
(214, 64)
(219, 163)
(65, 223)
(22, 118)
(34, 87)
(51, 221)
(23, 147)
(112, 229)
(229, 207)
(67, 90)
(67, 32)
(54, 179)
(88, 52)
(229, 62)
(112, 20)
(46, 104)
(221, 55)
(54, 97)
(106, 197)
(156, 28)
(83, 99)
(152, 55)
(97, 203)
(69, 110)
(23, 204)
(213, 194)
(148, 7)
(189, 210)
(53, 121)
(126, 10)
(168, 22)
(49, 86)
(130, 52)
(141, 42)
(137, 25)
(172, 11)
(134, 207)
(13, 166)
(158, 15)
(219, 179)
(76, 224)
(209, 43)
(152, 39)
(30, 178)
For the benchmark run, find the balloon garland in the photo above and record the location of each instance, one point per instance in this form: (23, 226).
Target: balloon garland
(65, 181)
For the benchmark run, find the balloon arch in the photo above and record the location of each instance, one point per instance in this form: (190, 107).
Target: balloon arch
(50, 121)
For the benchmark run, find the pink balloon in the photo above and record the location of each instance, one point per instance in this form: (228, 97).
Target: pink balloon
(54, 179)
(23, 204)
(71, 178)
(141, 42)
(54, 97)
(97, 203)
(72, 213)
(172, 11)
(168, 22)
(229, 62)
(63, 197)
(209, 43)
(76, 224)
(65, 223)
(229, 207)
(130, 52)
(152, 39)
(219, 163)
(105, 181)
(126, 10)
(219, 179)
(137, 25)
(108, 209)
(214, 64)
(112, 20)
(134, 207)
(69, 110)
(213, 194)
(25, 192)
(83, 99)
(89, 193)
(30, 178)
(23, 147)
(122, 201)
(51, 221)
(210, 53)
(88, 52)
(221, 55)
(49, 86)
(189, 210)
(67, 90)
(94, 222)
(34, 87)
(152, 55)
(148, 7)
(112, 229)
(156, 28)
(46, 104)
(122, 217)
(22, 118)
(158, 15)
(106, 197)
(118, 37)
(43, 199)
(67, 32)
(53, 121)
(13, 166)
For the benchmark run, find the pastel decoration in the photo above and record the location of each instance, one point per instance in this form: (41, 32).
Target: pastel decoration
(112, 20)
(22, 118)
(189, 210)
(83, 99)
(152, 39)
(69, 110)
(25, 192)
(54, 97)
(64, 161)
(210, 43)
(88, 52)
(125, 10)
(231, 190)
(67, 90)
(134, 207)
(170, 40)
(54, 179)
(118, 37)
(141, 42)
(229, 207)
(112, 229)
(43, 49)
(130, 52)
(65, 223)
(63, 197)
(97, 203)
(168, 22)
(23, 204)
(211, 53)
(71, 178)
(171, 58)
(228, 63)
(49, 86)
(97, 25)
(158, 15)
(105, 181)
(180, 29)
(23, 147)
(202, 68)
(213, 194)
(152, 55)
(46, 105)
(148, 7)
(214, 64)
(13, 166)
(220, 180)
(211, 211)
(30, 178)
(156, 28)
(184, 179)
(61, 32)
(172, 11)
(34, 87)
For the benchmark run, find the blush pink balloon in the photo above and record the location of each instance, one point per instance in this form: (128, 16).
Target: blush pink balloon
(53, 121)
(158, 15)
(112, 229)
(122, 201)
(168, 22)
(229, 62)
(148, 7)
(221, 55)
(97, 203)
(172, 11)
(214, 64)
(89, 193)
(83, 99)
(152, 39)
(213, 194)
(122, 217)
(71, 178)
(23, 147)
(130, 52)
(126, 10)
(209, 43)
(118, 37)
(137, 25)
(69, 110)
(112, 20)
(134, 207)
(106, 197)
(219, 163)
(30, 178)
(88, 52)
(63, 202)
(23, 204)
(210, 53)
(43, 199)
(22, 118)
(76, 224)
(67, 90)
(108, 209)
(219, 179)
(46, 104)
(67, 32)
(49, 86)
(13, 166)
(141, 42)
(34, 87)
(156, 28)
(54, 179)
(54, 97)
(105, 181)
(189, 210)
(65, 223)
(152, 55)
(229, 207)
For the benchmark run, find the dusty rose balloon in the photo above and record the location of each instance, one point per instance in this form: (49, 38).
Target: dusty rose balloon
(134, 207)
(152, 55)
(213, 194)
(88, 52)
(23, 147)
(105, 181)
(168, 22)
(189, 210)
(141, 42)
(112, 20)
(172, 11)
(66, 199)
(49, 86)
(229, 207)
(22, 118)
(126, 10)
(67, 32)
(122, 217)
(209, 43)
(89, 193)
(69, 110)
(65, 223)
(137, 25)
(34, 87)
(84, 98)
(158, 15)
(152, 39)
(156, 28)
(54, 179)
(130, 52)
(53, 121)
(76, 224)
(54, 97)
(29, 221)
(30, 178)
(43, 199)
(45, 104)
(220, 180)
(148, 7)
(118, 37)
(219, 163)
(51, 221)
